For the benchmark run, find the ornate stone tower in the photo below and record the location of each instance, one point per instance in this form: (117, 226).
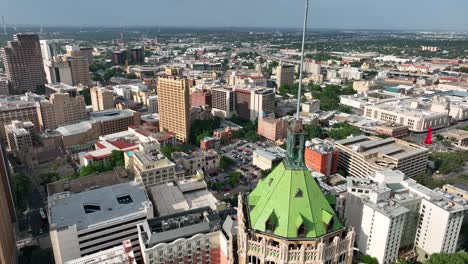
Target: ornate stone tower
(287, 218)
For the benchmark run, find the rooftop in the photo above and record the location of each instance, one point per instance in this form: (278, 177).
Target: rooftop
(110, 114)
(272, 153)
(92, 207)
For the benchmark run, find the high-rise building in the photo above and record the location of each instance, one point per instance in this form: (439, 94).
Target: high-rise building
(174, 106)
(119, 57)
(101, 99)
(285, 74)
(79, 69)
(287, 218)
(8, 215)
(60, 110)
(312, 67)
(223, 102)
(254, 102)
(23, 63)
(49, 49)
(4, 86)
(58, 71)
(321, 156)
(361, 156)
(137, 55)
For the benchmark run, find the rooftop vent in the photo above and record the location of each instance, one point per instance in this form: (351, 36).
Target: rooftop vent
(91, 208)
(124, 199)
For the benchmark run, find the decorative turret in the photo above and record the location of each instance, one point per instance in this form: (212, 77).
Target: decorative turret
(295, 146)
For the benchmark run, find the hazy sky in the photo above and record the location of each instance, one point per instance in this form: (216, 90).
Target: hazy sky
(349, 14)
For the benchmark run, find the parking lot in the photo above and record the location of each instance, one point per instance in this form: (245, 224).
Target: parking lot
(241, 152)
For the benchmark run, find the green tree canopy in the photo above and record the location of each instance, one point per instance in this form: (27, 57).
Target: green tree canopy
(460, 257)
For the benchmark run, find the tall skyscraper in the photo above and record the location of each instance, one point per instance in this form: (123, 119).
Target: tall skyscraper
(79, 69)
(285, 74)
(174, 106)
(23, 63)
(8, 215)
(101, 99)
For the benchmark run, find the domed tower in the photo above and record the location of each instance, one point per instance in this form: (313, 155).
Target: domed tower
(287, 218)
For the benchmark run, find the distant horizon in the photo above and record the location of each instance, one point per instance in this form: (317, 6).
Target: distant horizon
(400, 15)
(258, 28)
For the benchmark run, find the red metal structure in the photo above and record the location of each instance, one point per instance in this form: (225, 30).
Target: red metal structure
(428, 140)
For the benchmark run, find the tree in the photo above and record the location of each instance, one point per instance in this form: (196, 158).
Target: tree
(460, 257)
(117, 158)
(22, 188)
(234, 178)
(225, 162)
(369, 260)
(315, 131)
(343, 130)
(132, 75)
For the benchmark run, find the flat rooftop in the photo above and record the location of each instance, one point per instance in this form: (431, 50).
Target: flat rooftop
(110, 114)
(74, 129)
(95, 206)
(404, 107)
(389, 147)
(272, 153)
(170, 198)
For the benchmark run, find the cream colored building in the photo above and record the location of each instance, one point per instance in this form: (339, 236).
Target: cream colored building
(174, 106)
(151, 167)
(60, 110)
(19, 135)
(285, 74)
(361, 156)
(101, 99)
(408, 113)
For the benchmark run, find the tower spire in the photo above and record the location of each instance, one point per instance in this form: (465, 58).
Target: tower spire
(304, 29)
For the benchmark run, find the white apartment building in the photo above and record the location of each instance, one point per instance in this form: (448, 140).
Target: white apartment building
(223, 102)
(440, 219)
(151, 167)
(90, 221)
(350, 73)
(312, 67)
(361, 156)
(392, 213)
(408, 113)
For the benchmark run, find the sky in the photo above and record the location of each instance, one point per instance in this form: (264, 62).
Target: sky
(329, 14)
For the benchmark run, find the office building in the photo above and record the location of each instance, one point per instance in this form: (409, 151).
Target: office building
(194, 236)
(409, 113)
(8, 253)
(361, 156)
(350, 73)
(151, 167)
(57, 71)
(223, 102)
(297, 222)
(86, 221)
(311, 106)
(21, 108)
(137, 55)
(122, 254)
(285, 74)
(321, 156)
(200, 98)
(312, 67)
(24, 50)
(250, 103)
(60, 110)
(19, 135)
(174, 106)
(49, 49)
(79, 69)
(101, 99)
(4, 86)
(272, 128)
(115, 120)
(206, 161)
(253, 79)
(119, 57)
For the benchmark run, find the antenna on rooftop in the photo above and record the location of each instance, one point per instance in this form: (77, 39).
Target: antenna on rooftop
(306, 10)
(4, 26)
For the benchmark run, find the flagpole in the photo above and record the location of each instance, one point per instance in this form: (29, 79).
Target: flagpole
(304, 29)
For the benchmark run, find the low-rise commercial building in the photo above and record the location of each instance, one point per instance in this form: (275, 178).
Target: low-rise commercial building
(361, 156)
(458, 137)
(208, 143)
(206, 161)
(268, 158)
(272, 128)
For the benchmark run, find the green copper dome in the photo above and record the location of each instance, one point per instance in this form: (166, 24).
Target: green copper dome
(289, 202)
